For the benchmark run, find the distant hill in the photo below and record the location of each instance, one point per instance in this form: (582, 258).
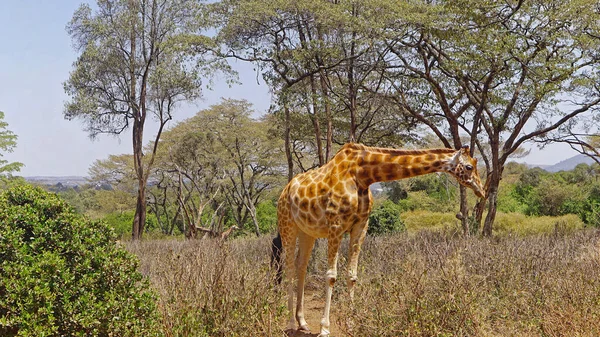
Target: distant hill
(567, 164)
(67, 181)
(72, 181)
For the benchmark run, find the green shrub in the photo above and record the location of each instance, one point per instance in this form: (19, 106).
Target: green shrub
(266, 212)
(386, 219)
(120, 222)
(62, 275)
(509, 201)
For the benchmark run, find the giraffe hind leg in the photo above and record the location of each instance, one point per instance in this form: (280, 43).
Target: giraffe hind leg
(276, 262)
(288, 244)
(305, 246)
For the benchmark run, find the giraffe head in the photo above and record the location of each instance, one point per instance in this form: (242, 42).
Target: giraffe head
(464, 168)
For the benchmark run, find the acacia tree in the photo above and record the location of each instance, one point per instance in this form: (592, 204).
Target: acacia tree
(275, 36)
(251, 157)
(189, 179)
(132, 66)
(316, 55)
(503, 73)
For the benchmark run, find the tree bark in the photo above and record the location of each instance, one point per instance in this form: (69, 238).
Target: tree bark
(288, 147)
(139, 219)
(492, 207)
(464, 211)
(254, 219)
(315, 120)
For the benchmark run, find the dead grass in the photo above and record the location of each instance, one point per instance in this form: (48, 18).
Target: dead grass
(212, 289)
(433, 284)
(428, 283)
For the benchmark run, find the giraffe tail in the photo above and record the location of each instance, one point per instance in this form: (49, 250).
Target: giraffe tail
(276, 262)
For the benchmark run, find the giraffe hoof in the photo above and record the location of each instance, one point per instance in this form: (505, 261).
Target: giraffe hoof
(304, 328)
(324, 333)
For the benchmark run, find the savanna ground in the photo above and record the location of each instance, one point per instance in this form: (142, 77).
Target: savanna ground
(416, 283)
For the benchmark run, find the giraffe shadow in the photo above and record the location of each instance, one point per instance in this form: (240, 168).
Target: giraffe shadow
(300, 333)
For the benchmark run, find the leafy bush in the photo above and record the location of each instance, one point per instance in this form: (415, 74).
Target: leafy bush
(554, 198)
(266, 212)
(120, 222)
(62, 275)
(509, 201)
(386, 219)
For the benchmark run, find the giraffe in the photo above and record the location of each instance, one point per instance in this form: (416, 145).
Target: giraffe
(335, 199)
(224, 235)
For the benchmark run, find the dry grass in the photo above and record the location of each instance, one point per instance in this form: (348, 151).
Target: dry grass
(431, 284)
(418, 284)
(211, 289)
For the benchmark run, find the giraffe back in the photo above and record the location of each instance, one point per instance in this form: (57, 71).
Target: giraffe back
(327, 198)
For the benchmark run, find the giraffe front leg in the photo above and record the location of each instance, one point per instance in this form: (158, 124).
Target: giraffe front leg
(333, 244)
(305, 245)
(357, 237)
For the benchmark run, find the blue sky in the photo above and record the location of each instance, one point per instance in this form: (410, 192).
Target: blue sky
(36, 57)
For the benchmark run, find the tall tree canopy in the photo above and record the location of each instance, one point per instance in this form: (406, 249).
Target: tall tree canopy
(318, 56)
(133, 65)
(502, 73)
(496, 74)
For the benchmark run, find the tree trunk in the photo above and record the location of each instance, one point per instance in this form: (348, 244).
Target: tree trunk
(493, 203)
(329, 141)
(315, 120)
(352, 91)
(139, 219)
(464, 211)
(288, 147)
(254, 220)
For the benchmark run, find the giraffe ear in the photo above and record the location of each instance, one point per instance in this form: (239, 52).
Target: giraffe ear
(456, 157)
(465, 149)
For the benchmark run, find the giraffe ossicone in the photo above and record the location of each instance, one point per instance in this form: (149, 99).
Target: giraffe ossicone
(335, 199)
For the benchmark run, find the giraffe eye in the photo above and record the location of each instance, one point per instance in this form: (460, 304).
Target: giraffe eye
(469, 167)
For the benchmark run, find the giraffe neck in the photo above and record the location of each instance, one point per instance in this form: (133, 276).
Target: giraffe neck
(380, 164)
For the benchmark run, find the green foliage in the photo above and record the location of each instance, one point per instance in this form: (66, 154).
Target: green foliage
(8, 142)
(64, 275)
(386, 219)
(554, 198)
(423, 200)
(120, 222)
(395, 191)
(433, 192)
(509, 201)
(266, 213)
(528, 181)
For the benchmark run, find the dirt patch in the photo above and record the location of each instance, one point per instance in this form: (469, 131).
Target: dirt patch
(314, 304)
